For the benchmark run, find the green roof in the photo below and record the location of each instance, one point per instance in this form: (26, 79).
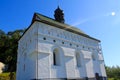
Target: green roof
(50, 21)
(44, 19)
(58, 24)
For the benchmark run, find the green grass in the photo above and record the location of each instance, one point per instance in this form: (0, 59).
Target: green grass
(113, 79)
(5, 76)
(110, 78)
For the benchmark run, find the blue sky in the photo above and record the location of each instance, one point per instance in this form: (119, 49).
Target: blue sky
(98, 18)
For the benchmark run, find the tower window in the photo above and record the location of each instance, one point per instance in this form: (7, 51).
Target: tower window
(56, 57)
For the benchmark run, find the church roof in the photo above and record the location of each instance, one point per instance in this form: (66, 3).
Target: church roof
(50, 21)
(44, 19)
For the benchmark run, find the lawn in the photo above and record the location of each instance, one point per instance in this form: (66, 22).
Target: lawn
(113, 79)
(6, 76)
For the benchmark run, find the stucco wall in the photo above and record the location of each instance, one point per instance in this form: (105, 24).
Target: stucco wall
(38, 44)
(27, 55)
(70, 43)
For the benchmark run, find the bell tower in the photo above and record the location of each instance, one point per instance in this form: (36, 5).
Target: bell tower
(59, 15)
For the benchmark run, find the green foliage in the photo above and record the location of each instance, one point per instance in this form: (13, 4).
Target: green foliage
(8, 48)
(2, 32)
(6, 76)
(113, 72)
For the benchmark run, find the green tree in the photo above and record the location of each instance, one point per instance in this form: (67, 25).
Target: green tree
(8, 48)
(113, 72)
(2, 32)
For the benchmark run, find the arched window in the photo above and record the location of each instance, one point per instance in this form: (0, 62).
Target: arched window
(78, 59)
(56, 57)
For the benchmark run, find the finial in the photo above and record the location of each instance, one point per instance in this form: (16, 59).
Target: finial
(59, 15)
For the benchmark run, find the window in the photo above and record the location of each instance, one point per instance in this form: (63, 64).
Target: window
(54, 40)
(77, 46)
(70, 44)
(57, 35)
(93, 57)
(48, 32)
(24, 67)
(44, 38)
(83, 47)
(56, 57)
(78, 60)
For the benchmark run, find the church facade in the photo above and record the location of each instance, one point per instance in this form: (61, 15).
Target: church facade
(51, 50)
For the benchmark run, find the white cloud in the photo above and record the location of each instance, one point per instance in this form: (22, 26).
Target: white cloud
(86, 20)
(93, 18)
(80, 22)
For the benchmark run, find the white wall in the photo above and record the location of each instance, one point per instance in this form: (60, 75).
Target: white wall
(43, 65)
(38, 44)
(26, 61)
(84, 45)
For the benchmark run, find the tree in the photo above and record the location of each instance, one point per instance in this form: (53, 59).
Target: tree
(113, 72)
(2, 32)
(8, 48)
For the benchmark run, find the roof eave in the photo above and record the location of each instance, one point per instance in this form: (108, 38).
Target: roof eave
(44, 19)
(60, 25)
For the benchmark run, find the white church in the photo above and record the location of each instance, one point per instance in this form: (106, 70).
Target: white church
(52, 50)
